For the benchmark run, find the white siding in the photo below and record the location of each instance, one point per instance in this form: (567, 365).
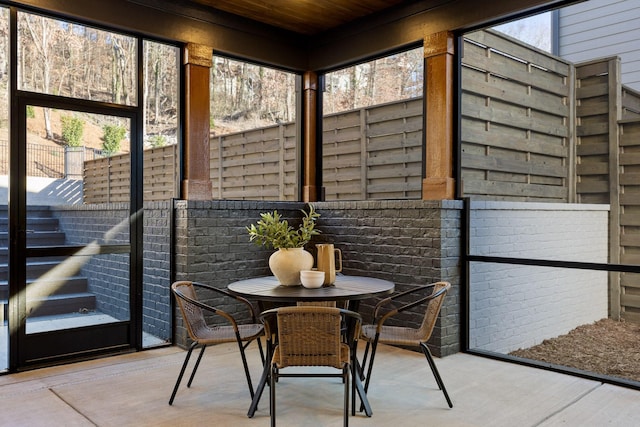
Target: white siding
(603, 28)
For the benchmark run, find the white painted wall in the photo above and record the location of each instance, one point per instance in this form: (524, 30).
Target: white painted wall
(600, 29)
(46, 191)
(516, 306)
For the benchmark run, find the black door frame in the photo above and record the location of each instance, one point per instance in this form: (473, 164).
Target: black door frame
(47, 347)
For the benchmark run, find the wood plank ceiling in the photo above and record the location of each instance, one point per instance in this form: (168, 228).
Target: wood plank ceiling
(307, 17)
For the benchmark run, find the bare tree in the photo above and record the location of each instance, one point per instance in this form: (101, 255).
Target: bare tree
(40, 31)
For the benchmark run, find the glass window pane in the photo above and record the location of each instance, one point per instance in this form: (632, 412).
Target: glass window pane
(64, 58)
(372, 129)
(161, 94)
(64, 176)
(77, 291)
(254, 147)
(161, 181)
(392, 78)
(4, 179)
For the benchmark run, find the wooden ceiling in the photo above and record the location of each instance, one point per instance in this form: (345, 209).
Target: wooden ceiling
(306, 17)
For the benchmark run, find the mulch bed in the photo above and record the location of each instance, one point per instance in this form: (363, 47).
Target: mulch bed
(606, 347)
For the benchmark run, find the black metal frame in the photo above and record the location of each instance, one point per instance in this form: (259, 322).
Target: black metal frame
(368, 364)
(241, 345)
(271, 372)
(95, 339)
(47, 347)
(468, 258)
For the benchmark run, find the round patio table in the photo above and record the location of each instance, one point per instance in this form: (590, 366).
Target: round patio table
(345, 288)
(353, 289)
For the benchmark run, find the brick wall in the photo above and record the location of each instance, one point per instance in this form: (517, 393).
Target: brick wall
(407, 242)
(108, 275)
(517, 306)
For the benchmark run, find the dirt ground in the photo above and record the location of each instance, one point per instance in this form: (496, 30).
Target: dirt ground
(606, 347)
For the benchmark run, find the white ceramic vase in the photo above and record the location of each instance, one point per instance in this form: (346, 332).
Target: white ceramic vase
(286, 265)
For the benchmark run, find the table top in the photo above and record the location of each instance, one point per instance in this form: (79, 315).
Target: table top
(345, 288)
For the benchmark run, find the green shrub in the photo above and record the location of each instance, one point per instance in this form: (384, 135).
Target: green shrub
(113, 136)
(31, 112)
(157, 141)
(72, 129)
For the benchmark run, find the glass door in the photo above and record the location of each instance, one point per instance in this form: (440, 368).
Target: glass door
(76, 293)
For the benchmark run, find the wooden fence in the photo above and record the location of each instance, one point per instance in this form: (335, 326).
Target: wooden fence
(516, 140)
(257, 164)
(628, 195)
(370, 153)
(108, 179)
(608, 169)
(516, 121)
(374, 153)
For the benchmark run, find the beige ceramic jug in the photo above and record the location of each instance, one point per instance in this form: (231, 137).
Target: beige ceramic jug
(327, 261)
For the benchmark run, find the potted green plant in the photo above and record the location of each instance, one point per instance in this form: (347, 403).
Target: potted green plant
(290, 258)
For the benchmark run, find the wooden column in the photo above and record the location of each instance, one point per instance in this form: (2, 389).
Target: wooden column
(196, 184)
(310, 96)
(439, 182)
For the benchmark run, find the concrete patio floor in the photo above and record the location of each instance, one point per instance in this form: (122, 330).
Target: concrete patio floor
(133, 390)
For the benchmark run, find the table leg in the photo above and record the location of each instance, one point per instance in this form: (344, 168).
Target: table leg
(357, 381)
(264, 378)
(354, 305)
(258, 393)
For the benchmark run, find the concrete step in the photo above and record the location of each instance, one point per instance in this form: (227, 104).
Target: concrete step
(69, 285)
(57, 304)
(45, 296)
(33, 211)
(33, 224)
(37, 238)
(35, 269)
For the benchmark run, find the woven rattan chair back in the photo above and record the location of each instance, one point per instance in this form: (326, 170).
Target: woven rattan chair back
(193, 315)
(431, 312)
(316, 303)
(310, 336)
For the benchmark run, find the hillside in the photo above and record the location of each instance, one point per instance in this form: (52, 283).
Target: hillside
(92, 135)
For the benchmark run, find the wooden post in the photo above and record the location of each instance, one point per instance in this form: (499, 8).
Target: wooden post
(310, 96)
(439, 182)
(196, 184)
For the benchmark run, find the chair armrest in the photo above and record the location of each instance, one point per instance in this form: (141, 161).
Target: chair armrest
(351, 316)
(252, 310)
(207, 307)
(379, 321)
(392, 298)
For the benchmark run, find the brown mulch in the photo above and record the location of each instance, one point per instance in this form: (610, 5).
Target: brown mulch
(606, 347)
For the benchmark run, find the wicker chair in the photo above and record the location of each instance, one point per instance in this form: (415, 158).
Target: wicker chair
(402, 336)
(311, 336)
(193, 313)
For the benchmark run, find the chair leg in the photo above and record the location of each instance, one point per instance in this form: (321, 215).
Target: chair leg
(195, 367)
(436, 374)
(246, 344)
(264, 380)
(353, 387)
(244, 364)
(364, 359)
(272, 396)
(184, 367)
(345, 377)
(261, 351)
(374, 346)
